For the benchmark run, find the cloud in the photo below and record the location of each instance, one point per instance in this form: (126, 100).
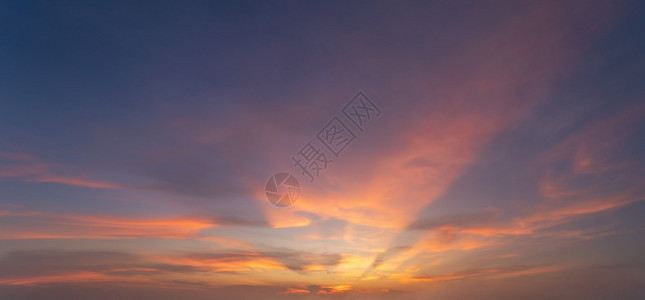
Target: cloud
(293, 260)
(77, 182)
(464, 220)
(204, 125)
(52, 266)
(26, 167)
(56, 266)
(607, 184)
(502, 272)
(300, 260)
(40, 225)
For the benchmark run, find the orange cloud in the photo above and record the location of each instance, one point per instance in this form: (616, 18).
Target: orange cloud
(58, 226)
(584, 187)
(490, 273)
(454, 120)
(294, 291)
(226, 262)
(77, 182)
(30, 169)
(73, 277)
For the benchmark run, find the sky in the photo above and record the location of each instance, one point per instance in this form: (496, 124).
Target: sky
(498, 154)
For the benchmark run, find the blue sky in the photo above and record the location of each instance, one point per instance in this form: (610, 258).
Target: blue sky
(136, 139)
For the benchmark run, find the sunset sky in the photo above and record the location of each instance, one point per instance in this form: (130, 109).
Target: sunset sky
(507, 161)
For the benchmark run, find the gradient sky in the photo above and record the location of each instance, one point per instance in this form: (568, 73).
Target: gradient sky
(136, 138)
